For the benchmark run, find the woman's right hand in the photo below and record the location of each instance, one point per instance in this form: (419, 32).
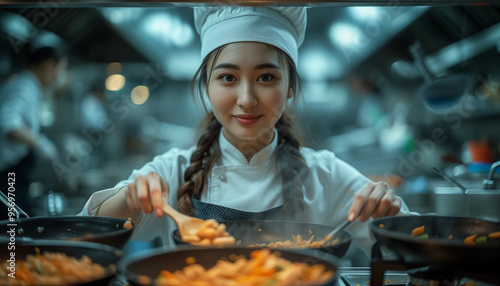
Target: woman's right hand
(147, 193)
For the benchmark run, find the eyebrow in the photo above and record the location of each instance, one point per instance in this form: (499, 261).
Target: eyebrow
(258, 67)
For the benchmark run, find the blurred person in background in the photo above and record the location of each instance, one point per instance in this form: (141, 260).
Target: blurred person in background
(21, 141)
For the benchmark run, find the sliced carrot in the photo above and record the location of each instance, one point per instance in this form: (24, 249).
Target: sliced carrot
(469, 240)
(418, 231)
(494, 234)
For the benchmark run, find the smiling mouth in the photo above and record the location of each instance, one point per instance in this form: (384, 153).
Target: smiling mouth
(247, 119)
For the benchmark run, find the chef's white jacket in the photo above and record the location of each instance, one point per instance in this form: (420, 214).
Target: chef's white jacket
(20, 99)
(254, 186)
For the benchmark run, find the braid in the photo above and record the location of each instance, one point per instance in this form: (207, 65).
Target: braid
(292, 166)
(202, 160)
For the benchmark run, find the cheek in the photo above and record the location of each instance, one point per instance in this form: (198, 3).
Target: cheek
(275, 102)
(220, 99)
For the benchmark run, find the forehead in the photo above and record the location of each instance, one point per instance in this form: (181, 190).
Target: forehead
(248, 53)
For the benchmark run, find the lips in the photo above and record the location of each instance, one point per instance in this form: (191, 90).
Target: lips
(247, 119)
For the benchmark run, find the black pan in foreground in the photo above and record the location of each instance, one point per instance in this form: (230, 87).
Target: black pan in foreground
(152, 262)
(104, 255)
(104, 230)
(252, 232)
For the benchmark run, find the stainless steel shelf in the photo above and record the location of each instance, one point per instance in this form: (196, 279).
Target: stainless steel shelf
(150, 3)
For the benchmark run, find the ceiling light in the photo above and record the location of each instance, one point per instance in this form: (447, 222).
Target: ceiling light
(345, 34)
(115, 82)
(364, 13)
(139, 94)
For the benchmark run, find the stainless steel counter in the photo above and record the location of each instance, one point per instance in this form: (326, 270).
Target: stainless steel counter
(354, 276)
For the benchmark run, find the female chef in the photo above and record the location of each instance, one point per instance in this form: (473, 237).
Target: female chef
(248, 163)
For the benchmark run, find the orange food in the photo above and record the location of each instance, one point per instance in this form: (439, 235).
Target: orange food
(209, 233)
(381, 225)
(190, 260)
(418, 230)
(298, 242)
(261, 268)
(469, 240)
(52, 268)
(128, 224)
(450, 236)
(494, 234)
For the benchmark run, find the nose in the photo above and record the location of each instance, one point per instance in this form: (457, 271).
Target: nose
(246, 95)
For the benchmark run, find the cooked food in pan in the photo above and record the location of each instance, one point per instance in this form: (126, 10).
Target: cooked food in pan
(473, 239)
(262, 267)
(128, 224)
(210, 233)
(298, 242)
(51, 268)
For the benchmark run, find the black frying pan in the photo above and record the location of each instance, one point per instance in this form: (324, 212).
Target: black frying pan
(105, 255)
(439, 250)
(271, 231)
(104, 230)
(153, 261)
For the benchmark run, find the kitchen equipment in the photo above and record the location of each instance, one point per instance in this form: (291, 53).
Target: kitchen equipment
(439, 252)
(449, 179)
(439, 249)
(335, 232)
(186, 224)
(105, 230)
(251, 232)
(489, 183)
(442, 93)
(356, 276)
(150, 263)
(105, 255)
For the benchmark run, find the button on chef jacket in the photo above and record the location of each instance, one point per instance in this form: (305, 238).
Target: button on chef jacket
(254, 186)
(20, 99)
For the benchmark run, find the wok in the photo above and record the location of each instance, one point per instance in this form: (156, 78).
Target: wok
(105, 255)
(273, 230)
(104, 230)
(439, 250)
(150, 263)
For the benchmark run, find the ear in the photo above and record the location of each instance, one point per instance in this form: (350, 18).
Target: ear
(291, 92)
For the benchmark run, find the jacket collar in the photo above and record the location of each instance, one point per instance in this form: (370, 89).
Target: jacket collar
(231, 156)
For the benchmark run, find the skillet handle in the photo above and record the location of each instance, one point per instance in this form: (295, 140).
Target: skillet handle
(5, 200)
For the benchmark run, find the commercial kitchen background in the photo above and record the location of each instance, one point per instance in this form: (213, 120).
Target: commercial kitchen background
(126, 95)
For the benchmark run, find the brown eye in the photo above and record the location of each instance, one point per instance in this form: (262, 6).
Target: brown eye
(266, 77)
(227, 78)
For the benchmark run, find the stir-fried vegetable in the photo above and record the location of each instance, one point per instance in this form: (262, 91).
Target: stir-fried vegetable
(262, 268)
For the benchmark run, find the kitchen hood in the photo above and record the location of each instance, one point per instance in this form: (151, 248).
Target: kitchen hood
(150, 3)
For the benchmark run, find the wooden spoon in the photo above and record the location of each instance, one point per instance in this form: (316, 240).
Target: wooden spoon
(187, 225)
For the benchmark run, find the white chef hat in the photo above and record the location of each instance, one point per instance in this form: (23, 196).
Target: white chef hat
(282, 27)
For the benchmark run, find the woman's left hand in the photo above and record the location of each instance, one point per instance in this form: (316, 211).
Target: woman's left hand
(374, 200)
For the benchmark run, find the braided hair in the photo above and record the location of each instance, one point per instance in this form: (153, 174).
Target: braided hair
(290, 162)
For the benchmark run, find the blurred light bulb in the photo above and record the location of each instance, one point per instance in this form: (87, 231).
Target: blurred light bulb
(115, 82)
(139, 94)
